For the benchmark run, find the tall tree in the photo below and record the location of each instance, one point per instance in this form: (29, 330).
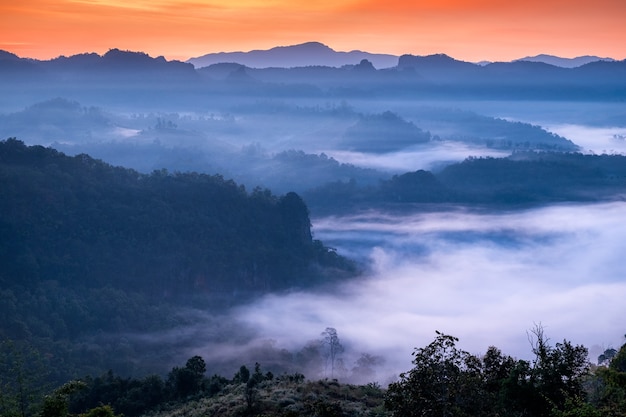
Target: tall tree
(332, 349)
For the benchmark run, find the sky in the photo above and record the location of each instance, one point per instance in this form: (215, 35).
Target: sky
(470, 30)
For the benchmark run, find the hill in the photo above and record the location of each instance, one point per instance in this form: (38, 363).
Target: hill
(89, 249)
(82, 222)
(522, 179)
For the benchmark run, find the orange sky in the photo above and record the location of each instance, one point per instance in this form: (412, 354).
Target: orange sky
(470, 30)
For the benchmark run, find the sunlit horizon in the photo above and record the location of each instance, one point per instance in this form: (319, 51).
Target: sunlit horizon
(485, 30)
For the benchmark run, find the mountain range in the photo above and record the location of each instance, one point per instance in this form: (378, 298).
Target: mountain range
(117, 73)
(565, 62)
(293, 56)
(302, 55)
(316, 53)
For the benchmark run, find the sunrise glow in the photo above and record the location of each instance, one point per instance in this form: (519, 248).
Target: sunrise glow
(471, 30)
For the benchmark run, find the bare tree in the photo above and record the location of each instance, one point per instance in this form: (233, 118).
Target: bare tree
(538, 342)
(332, 348)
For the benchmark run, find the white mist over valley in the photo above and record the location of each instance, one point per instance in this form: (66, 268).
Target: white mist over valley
(485, 277)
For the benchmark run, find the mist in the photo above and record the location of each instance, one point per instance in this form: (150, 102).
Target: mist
(486, 278)
(427, 157)
(262, 142)
(594, 139)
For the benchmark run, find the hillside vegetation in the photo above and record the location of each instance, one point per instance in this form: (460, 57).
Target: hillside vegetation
(91, 249)
(445, 381)
(522, 179)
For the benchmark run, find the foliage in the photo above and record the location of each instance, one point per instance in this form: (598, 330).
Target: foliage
(521, 179)
(607, 387)
(607, 356)
(183, 382)
(88, 249)
(101, 411)
(284, 395)
(447, 381)
(56, 404)
(21, 371)
(79, 221)
(618, 363)
(441, 383)
(126, 395)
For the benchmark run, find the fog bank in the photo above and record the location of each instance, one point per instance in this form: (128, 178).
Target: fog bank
(485, 278)
(599, 140)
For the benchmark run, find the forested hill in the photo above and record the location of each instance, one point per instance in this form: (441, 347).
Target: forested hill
(81, 222)
(522, 179)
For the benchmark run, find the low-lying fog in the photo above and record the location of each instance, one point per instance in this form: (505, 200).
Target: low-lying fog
(430, 157)
(599, 140)
(487, 278)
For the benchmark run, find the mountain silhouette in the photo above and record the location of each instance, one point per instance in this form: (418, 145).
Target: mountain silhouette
(302, 55)
(564, 62)
(314, 69)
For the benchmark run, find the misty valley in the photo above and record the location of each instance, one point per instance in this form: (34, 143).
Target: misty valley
(231, 239)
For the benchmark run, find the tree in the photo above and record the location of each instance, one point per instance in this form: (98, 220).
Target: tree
(22, 375)
(607, 356)
(188, 380)
(243, 375)
(557, 372)
(309, 359)
(609, 395)
(364, 367)
(450, 382)
(619, 361)
(332, 349)
(100, 411)
(196, 366)
(442, 383)
(56, 404)
(251, 392)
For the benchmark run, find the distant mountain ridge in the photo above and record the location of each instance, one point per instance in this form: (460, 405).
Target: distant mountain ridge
(292, 56)
(319, 54)
(301, 55)
(565, 62)
(152, 79)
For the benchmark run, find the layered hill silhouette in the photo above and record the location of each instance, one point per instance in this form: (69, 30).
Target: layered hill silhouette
(565, 62)
(81, 222)
(318, 54)
(135, 76)
(520, 180)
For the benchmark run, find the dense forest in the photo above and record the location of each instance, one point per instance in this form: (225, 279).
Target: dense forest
(522, 179)
(89, 249)
(79, 221)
